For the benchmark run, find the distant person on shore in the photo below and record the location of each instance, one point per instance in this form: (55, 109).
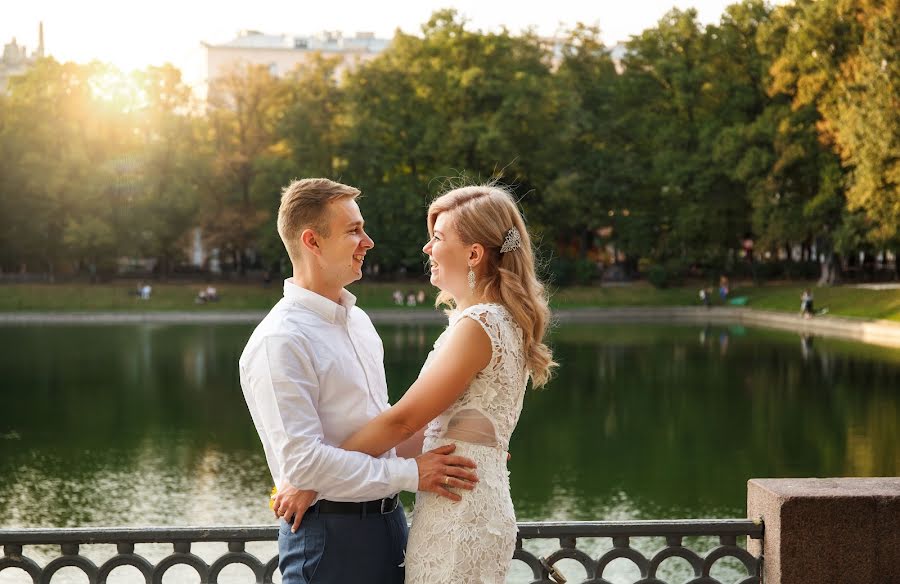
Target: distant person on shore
(806, 304)
(146, 290)
(208, 294)
(398, 297)
(723, 288)
(410, 298)
(704, 297)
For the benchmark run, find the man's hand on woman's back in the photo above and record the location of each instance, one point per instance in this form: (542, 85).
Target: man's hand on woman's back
(439, 471)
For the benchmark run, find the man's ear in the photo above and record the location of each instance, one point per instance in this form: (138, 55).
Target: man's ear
(310, 241)
(476, 254)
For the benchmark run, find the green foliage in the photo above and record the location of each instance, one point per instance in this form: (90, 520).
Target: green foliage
(571, 271)
(667, 274)
(780, 124)
(838, 57)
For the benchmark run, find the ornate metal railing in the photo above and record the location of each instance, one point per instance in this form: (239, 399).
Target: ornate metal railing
(726, 530)
(544, 569)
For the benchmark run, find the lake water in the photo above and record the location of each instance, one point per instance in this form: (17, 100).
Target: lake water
(145, 425)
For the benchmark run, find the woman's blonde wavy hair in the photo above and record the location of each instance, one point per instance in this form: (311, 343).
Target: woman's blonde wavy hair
(484, 214)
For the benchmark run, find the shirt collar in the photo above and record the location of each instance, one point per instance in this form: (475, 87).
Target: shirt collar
(327, 309)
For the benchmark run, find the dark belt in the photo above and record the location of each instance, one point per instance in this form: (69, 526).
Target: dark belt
(376, 507)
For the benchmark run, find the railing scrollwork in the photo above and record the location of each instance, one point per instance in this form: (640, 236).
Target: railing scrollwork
(543, 568)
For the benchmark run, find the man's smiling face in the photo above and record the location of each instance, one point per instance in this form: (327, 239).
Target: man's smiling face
(344, 250)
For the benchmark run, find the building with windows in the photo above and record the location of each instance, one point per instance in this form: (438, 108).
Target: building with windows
(282, 53)
(16, 60)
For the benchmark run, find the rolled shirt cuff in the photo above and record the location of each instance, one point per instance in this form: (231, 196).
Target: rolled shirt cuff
(405, 474)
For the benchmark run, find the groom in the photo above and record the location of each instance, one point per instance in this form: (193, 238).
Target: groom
(312, 374)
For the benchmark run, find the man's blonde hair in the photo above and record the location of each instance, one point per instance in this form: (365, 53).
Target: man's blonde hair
(304, 205)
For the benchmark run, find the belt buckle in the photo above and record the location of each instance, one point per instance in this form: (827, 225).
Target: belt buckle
(393, 501)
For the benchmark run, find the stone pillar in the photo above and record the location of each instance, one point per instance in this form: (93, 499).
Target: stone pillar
(827, 531)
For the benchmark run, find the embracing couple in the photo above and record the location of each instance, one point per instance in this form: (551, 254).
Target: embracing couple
(313, 377)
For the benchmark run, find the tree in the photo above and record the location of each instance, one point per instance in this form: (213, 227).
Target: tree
(311, 123)
(680, 104)
(429, 110)
(172, 165)
(808, 42)
(862, 116)
(591, 153)
(64, 123)
(245, 107)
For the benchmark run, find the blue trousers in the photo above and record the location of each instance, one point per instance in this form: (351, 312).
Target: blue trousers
(343, 549)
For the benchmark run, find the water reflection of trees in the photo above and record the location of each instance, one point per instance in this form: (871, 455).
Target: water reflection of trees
(681, 425)
(116, 385)
(656, 420)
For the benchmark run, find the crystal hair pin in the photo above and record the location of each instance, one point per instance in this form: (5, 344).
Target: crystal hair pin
(513, 240)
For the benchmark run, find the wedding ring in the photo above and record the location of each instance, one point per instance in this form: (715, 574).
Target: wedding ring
(446, 480)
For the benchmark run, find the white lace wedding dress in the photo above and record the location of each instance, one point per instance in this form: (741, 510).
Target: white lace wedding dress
(473, 541)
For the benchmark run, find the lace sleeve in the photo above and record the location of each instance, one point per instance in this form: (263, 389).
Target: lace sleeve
(485, 315)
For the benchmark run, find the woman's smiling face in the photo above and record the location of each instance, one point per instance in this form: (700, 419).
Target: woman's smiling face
(448, 257)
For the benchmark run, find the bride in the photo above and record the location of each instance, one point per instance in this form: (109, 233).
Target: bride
(471, 387)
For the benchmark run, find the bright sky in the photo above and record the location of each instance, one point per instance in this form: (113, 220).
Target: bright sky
(135, 34)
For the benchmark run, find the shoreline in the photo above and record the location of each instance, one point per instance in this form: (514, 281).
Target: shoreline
(879, 332)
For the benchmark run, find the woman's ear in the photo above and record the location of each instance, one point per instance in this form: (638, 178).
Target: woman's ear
(476, 254)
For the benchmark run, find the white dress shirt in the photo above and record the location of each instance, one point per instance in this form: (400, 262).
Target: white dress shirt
(313, 374)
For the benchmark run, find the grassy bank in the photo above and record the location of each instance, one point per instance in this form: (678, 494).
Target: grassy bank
(840, 301)
(782, 297)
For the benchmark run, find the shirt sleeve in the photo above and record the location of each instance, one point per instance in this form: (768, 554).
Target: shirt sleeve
(285, 388)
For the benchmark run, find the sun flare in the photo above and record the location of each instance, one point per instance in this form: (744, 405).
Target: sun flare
(115, 89)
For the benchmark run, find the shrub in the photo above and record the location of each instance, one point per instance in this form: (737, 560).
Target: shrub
(568, 271)
(668, 273)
